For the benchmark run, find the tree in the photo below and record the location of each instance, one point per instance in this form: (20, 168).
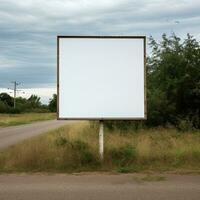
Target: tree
(6, 99)
(53, 103)
(34, 101)
(174, 80)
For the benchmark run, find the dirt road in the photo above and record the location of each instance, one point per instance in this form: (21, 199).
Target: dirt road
(14, 134)
(106, 187)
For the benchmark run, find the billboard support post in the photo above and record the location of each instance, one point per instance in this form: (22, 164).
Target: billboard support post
(101, 139)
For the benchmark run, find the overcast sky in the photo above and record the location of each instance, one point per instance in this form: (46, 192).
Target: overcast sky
(28, 30)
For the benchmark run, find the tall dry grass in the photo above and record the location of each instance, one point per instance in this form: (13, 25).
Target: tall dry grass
(74, 148)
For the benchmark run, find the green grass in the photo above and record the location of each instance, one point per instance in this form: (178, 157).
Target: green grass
(74, 148)
(18, 119)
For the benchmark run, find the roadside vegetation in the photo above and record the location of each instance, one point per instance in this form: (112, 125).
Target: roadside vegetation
(25, 118)
(32, 104)
(74, 148)
(26, 110)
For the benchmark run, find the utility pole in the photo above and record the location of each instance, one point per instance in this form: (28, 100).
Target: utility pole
(15, 91)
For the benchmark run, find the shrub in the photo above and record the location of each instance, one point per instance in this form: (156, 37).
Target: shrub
(124, 125)
(87, 157)
(3, 107)
(124, 155)
(14, 110)
(184, 125)
(83, 153)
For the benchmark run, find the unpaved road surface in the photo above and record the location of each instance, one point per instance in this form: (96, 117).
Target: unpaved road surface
(98, 186)
(14, 134)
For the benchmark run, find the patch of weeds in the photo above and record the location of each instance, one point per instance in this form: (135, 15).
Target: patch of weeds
(125, 169)
(79, 145)
(83, 153)
(124, 155)
(87, 158)
(61, 141)
(129, 169)
(179, 158)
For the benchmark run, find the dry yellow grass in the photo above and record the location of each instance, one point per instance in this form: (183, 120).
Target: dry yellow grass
(25, 118)
(74, 148)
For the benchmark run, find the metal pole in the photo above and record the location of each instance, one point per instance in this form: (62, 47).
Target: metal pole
(101, 141)
(15, 85)
(15, 92)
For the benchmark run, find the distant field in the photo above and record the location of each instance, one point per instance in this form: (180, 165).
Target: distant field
(18, 119)
(74, 148)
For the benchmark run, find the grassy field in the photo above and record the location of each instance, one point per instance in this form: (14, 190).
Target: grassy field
(17, 119)
(74, 148)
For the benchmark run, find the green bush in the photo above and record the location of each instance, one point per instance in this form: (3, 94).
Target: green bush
(3, 107)
(124, 125)
(37, 110)
(184, 125)
(87, 158)
(77, 150)
(14, 110)
(124, 155)
(84, 154)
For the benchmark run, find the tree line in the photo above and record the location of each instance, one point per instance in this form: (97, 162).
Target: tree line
(32, 104)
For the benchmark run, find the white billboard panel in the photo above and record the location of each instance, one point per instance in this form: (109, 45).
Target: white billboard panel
(101, 77)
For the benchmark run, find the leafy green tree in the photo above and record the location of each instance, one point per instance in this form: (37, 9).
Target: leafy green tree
(7, 99)
(34, 101)
(22, 104)
(53, 103)
(174, 81)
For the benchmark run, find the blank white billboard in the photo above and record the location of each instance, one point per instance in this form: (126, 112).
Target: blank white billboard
(101, 77)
